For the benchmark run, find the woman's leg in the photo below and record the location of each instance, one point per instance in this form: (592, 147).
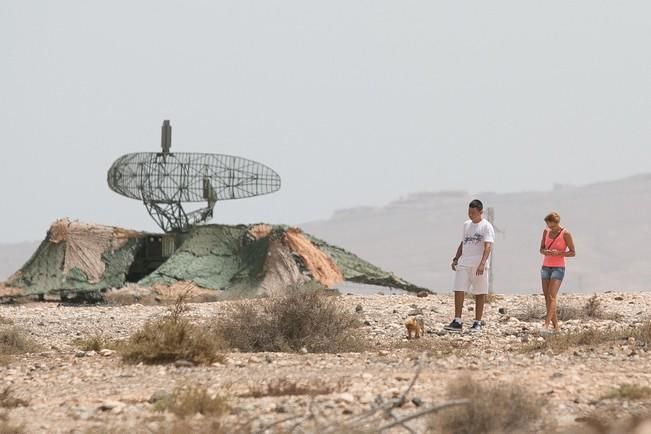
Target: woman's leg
(554, 287)
(545, 288)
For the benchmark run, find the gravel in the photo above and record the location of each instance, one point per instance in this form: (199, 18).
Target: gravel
(74, 391)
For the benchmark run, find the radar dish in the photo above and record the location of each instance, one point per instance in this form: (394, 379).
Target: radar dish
(166, 180)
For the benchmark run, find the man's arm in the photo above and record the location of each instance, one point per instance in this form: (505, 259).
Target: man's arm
(457, 256)
(484, 257)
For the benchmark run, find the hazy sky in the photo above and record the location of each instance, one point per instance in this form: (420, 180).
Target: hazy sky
(351, 102)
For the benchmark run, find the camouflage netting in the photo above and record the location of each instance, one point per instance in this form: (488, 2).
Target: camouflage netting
(215, 257)
(355, 269)
(77, 258)
(265, 259)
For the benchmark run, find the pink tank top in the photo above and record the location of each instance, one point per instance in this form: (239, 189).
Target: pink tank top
(555, 244)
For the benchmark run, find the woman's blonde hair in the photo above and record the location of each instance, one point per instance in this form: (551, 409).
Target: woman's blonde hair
(553, 217)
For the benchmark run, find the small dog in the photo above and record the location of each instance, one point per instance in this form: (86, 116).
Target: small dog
(415, 326)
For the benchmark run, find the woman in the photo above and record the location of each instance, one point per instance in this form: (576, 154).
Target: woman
(556, 245)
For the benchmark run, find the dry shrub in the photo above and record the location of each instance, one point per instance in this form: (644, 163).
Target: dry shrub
(287, 387)
(492, 298)
(501, 408)
(643, 333)
(192, 400)
(7, 428)
(171, 338)
(568, 312)
(537, 312)
(565, 341)
(300, 319)
(13, 340)
(203, 426)
(96, 343)
(629, 392)
(592, 337)
(592, 309)
(610, 420)
(8, 400)
(532, 312)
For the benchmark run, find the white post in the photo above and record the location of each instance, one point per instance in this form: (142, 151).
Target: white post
(490, 216)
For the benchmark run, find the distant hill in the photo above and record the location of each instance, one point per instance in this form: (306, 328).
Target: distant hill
(416, 236)
(13, 256)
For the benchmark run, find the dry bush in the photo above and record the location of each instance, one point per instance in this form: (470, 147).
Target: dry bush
(612, 420)
(192, 400)
(160, 294)
(4, 320)
(287, 387)
(300, 319)
(7, 428)
(568, 312)
(565, 341)
(492, 298)
(8, 400)
(592, 337)
(629, 392)
(13, 340)
(96, 343)
(643, 333)
(502, 408)
(532, 312)
(203, 426)
(592, 309)
(537, 312)
(170, 338)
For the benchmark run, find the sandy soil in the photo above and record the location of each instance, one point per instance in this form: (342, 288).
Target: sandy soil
(71, 391)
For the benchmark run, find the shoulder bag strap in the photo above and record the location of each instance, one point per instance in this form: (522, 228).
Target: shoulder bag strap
(554, 239)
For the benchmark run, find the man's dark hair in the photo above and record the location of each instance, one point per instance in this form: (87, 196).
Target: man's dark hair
(477, 205)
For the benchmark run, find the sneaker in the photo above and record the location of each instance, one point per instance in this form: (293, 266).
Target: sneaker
(454, 326)
(476, 327)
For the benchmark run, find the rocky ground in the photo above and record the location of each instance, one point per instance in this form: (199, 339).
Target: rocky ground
(67, 390)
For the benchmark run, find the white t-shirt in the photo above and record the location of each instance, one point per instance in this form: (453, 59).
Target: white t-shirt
(474, 237)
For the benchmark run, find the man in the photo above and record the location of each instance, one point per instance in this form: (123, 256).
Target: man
(471, 265)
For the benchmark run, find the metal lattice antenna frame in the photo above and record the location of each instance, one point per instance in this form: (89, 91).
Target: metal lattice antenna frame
(164, 181)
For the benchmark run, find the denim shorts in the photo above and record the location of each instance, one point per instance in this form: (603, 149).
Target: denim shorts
(549, 273)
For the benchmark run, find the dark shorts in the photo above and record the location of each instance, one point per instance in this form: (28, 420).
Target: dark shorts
(556, 273)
